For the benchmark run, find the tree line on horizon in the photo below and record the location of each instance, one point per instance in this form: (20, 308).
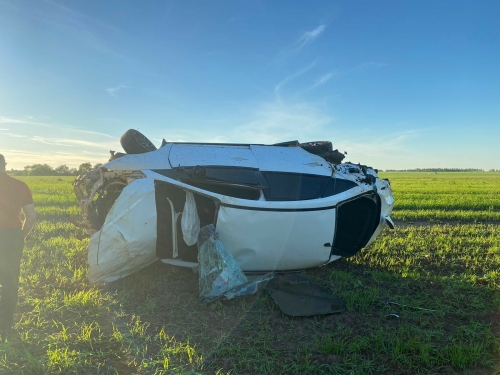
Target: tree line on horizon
(441, 170)
(47, 170)
(64, 170)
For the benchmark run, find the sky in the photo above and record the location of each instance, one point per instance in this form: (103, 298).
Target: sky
(395, 84)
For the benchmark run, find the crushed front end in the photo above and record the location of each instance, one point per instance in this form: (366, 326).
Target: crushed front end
(360, 219)
(97, 191)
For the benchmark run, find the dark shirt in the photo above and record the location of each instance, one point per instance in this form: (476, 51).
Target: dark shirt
(14, 195)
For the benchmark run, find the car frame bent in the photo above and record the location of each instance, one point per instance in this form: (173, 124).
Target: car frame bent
(275, 207)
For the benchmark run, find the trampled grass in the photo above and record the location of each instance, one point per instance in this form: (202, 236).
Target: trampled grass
(442, 280)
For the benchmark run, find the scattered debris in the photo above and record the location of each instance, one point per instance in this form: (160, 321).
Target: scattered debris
(391, 303)
(296, 295)
(392, 316)
(220, 275)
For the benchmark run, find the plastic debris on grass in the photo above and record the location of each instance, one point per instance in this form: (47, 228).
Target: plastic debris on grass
(220, 275)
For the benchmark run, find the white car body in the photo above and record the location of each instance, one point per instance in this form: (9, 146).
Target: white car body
(275, 208)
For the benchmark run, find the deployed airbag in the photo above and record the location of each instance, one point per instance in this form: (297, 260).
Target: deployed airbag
(127, 240)
(190, 222)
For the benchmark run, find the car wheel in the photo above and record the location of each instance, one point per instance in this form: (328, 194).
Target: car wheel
(334, 157)
(134, 142)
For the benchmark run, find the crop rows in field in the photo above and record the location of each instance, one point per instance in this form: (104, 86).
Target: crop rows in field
(53, 196)
(464, 197)
(153, 322)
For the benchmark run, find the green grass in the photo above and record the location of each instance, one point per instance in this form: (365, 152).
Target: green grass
(461, 197)
(153, 323)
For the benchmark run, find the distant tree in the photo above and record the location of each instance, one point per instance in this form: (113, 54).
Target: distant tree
(436, 170)
(16, 172)
(84, 168)
(63, 170)
(39, 170)
(47, 170)
(97, 165)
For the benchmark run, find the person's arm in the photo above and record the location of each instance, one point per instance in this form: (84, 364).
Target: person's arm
(30, 215)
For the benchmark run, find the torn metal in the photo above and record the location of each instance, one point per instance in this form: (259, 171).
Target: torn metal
(275, 207)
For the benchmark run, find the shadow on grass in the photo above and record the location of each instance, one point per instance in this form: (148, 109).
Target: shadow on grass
(251, 335)
(152, 322)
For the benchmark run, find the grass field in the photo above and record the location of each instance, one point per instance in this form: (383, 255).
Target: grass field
(435, 197)
(444, 258)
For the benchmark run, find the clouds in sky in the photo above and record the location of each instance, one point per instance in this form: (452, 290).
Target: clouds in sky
(297, 116)
(309, 36)
(59, 127)
(51, 143)
(113, 91)
(300, 72)
(309, 121)
(19, 159)
(278, 122)
(321, 81)
(372, 143)
(292, 51)
(14, 135)
(305, 39)
(71, 142)
(21, 121)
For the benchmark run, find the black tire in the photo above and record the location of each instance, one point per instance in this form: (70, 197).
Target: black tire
(318, 147)
(334, 157)
(115, 155)
(134, 142)
(287, 144)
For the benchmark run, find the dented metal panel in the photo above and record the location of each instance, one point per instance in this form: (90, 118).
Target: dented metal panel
(150, 160)
(290, 159)
(277, 240)
(190, 155)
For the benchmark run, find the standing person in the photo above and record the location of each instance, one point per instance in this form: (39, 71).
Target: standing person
(15, 196)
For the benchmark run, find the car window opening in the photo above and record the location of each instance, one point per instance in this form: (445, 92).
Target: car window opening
(233, 182)
(294, 186)
(356, 222)
(223, 188)
(248, 184)
(170, 201)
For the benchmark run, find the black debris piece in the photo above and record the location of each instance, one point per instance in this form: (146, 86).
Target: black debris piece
(296, 295)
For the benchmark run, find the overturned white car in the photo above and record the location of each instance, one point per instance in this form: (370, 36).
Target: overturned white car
(275, 207)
